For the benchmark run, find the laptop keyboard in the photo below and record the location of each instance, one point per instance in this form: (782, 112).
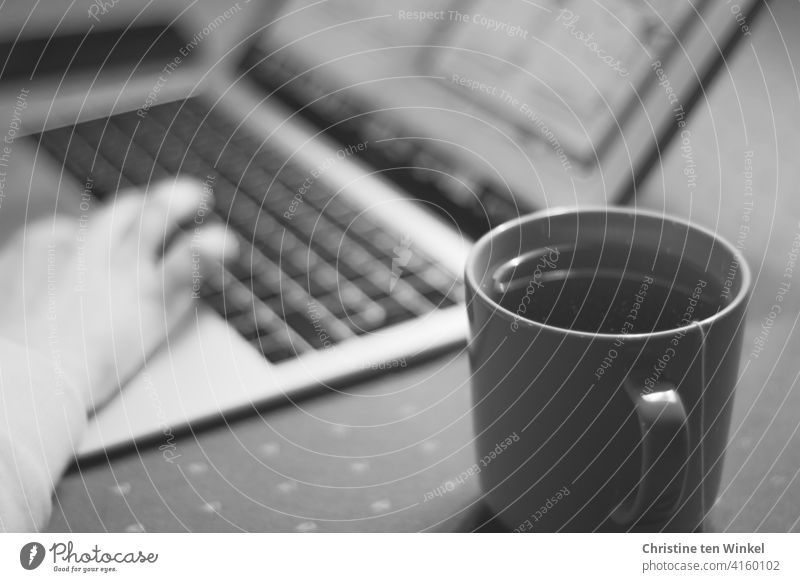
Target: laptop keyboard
(348, 119)
(312, 271)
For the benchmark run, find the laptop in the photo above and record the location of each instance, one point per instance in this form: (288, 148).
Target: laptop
(354, 149)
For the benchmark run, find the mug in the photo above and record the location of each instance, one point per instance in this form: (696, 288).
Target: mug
(618, 430)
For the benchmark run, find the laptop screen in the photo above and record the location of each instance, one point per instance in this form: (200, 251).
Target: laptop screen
(505, 91)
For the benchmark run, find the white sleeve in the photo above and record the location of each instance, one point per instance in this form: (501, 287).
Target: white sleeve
(42, 418)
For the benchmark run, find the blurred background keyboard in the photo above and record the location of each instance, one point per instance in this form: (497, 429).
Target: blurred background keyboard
(312, 271)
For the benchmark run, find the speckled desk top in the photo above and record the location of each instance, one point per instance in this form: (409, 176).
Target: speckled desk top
(356, 461)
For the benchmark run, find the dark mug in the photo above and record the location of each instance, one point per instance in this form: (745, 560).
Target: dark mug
(608, 342)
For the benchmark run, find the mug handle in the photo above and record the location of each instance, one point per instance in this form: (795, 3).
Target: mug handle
(665, 452)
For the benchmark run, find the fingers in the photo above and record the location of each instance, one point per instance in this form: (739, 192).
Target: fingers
(121, 219)
(169, 205)
(155, 216)
(193, 257)
(152, 224)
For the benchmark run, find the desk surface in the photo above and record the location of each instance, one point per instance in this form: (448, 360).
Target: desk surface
(363, 460)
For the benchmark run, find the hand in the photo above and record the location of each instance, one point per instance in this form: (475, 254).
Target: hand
(95, 297)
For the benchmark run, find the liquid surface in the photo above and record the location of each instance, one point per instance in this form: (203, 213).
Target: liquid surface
(573, 293)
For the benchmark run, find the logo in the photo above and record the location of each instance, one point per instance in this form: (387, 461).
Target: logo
(31, 555)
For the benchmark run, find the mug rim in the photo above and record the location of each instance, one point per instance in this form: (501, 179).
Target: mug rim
(487, 237)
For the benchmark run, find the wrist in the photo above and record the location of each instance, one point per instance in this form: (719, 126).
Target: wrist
(64, 382)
